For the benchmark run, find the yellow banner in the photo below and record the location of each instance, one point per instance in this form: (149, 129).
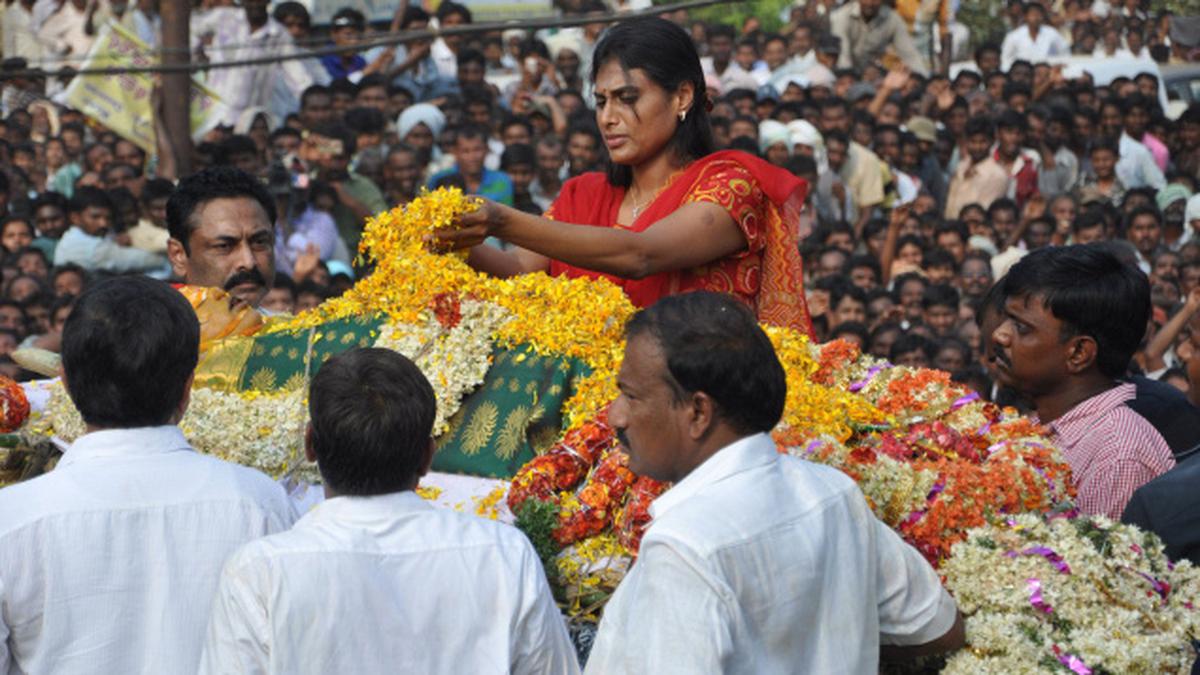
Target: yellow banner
(122, 102)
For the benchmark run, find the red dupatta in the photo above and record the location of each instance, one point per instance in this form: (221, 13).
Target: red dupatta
(764, 201)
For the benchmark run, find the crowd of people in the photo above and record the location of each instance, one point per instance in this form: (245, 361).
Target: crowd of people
(1030, 230)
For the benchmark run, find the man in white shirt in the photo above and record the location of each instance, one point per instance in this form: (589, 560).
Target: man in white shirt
(108, 563)
(20, 38)
(754, 562)
(246, 32)
(721, 71)
(1033, 41)
(87, 244)
(374, 579)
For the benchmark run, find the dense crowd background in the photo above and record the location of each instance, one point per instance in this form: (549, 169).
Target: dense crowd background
(925, 188)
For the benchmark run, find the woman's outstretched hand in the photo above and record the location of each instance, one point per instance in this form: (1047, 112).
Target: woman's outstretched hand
(472, 228)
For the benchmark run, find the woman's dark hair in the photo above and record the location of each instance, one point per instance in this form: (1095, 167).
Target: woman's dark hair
(372, 415)
(665, 52)
(712, 343)
(128, 350)
(1112, 307)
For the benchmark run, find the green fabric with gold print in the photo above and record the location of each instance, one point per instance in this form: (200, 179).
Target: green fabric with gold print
(513, 416)
(277, 360)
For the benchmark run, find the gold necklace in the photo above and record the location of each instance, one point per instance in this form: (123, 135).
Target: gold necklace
(636, 209)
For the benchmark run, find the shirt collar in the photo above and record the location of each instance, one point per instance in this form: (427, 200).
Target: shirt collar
(741, 455)
(136, 442)
(1076, 422)
(378, 509)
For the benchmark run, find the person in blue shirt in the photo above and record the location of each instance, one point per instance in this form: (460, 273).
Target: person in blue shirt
(346, 29)
(469, 172)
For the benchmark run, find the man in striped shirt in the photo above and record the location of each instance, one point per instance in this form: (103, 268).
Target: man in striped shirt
(1073, 317)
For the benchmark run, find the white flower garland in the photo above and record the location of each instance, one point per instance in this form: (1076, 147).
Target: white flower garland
(1071, 594)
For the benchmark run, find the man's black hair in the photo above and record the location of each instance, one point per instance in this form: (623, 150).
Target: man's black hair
(979, 125)
(470, 55)
(899, 282)
(291, 8)
(372, 415)
(364, 120)
(1011, 119)
(863, 260)
(156, 188)
(518, 154)
(1146, 210)
(50, 198)
(372, 80)
(911, 342)
(88, 196)
(847, 291)
(313, 90)
(213, 183)
(284, 131)
(1002, 204)
(449, 7)
(236, 144)
(712, 343)
(1092, 293)
(939, 257)
(855, 328)
(721, 30)
(128, 351)
(940, 295)
(1129, 103)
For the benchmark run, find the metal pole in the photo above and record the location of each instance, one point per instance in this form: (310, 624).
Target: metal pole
(177, 85)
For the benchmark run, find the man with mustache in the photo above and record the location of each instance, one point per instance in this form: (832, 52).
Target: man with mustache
(222, 236)
(1072, 319)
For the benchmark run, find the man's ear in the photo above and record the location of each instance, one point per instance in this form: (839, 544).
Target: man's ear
(310, 452)
(1082, 351)
(702, 415)
(427, 460)
(187, 398)
(178, 258)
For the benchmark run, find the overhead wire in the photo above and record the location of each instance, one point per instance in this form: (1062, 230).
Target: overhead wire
(386, 40)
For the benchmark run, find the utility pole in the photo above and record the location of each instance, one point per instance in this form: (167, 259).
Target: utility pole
(177, 86)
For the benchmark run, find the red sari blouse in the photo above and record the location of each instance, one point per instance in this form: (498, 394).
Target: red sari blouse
(762, 199)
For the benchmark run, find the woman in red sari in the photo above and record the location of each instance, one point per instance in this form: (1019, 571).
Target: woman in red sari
(670, 215)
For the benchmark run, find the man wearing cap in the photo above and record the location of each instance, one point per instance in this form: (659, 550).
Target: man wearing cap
(345, 31)
(1033, 41)
(929, 171)
(867, 29)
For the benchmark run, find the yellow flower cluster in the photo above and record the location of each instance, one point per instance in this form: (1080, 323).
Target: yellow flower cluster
(812, 409)
(581, 318)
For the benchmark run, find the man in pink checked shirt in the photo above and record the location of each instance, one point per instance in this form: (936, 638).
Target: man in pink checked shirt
(1073, 318)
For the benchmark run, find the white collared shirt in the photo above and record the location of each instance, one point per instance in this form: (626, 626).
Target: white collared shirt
(1019, 45)
(1136, 167)
(108, 563)
(387, 584)
(762, 563)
